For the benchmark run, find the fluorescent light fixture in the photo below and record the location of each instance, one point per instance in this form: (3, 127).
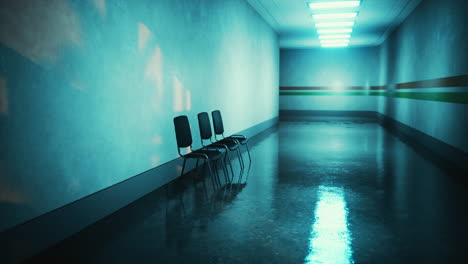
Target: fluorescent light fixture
(335, 15)
(334, 36)
(335, 24)
(335, 30)
(334, 45)
(325, 41)
(337, 4)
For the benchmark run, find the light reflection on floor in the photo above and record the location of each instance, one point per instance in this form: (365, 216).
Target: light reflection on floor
(375, 199)
(330, 239)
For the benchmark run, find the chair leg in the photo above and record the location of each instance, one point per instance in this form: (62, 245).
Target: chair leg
(230, 163)
(207, 162)
(197, 172)
(225, 170)
(205, 189)
(248, 151)
(216, 173)
(183, 168)
(241, 160)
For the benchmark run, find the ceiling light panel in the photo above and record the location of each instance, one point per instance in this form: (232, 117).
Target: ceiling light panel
(323, 41)
(336, 4)
(334, 36)
(334, 24)
(335, 45)
(334, 16)
(334, 20)
(334, 30)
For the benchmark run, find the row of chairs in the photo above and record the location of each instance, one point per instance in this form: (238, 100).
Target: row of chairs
(215, 148)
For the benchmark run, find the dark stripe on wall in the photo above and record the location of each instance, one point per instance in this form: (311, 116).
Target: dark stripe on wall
(305, 115)
(454, 81)
(338, 93)
(447, 82)
(323, 88)
(448, 97)
(454, 159)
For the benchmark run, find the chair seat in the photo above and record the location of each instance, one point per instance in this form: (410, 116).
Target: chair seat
(229, 142)
(212, 154)
(241, 140)
(216, 146)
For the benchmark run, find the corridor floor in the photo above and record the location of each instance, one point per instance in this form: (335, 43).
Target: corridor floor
(329, 190)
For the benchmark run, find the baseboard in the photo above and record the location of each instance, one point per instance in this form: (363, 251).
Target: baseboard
(441, 153)
(452, 157)
(28, 239)
(294, 114)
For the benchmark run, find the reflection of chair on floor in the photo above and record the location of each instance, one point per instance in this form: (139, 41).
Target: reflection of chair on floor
(177, 229)
(219, 131)
(175, 191)
(226, 196)
(234, 190)
(206, 134)
(184, 141)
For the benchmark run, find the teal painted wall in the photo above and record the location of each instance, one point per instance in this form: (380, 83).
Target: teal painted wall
(331, 68)
(431, 43)
(88, 89)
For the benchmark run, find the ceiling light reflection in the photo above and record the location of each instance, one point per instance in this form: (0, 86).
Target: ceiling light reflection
(330, 240)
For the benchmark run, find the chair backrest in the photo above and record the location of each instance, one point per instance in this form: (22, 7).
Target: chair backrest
(217, 122)
(204, 125)
(183, 132)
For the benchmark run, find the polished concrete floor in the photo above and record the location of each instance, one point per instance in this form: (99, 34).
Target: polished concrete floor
(329, 190)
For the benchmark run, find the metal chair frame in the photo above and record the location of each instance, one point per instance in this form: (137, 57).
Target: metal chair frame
(219, 131)
(203, 153)
(206, 134)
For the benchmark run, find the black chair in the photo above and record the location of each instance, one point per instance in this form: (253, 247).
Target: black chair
(184, 140)
(206, 134)
(219, 130)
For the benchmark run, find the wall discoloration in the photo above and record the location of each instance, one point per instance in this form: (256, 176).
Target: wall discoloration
(40, 30)
(428, 51)
(90, 84)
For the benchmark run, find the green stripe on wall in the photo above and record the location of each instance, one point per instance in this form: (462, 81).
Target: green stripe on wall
(449, 97)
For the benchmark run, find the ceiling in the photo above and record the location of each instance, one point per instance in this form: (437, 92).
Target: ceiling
(293, 22)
